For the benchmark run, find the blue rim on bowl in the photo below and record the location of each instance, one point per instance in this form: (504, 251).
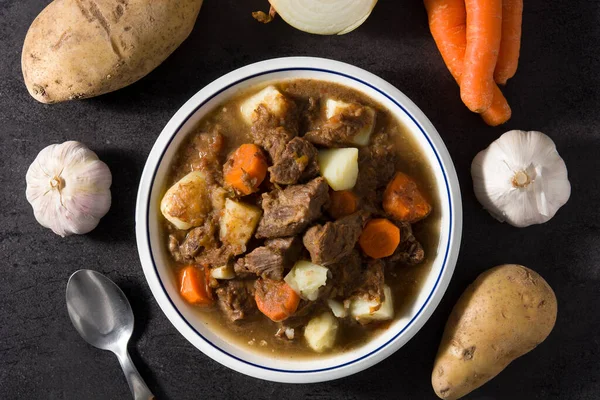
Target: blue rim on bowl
(454, 220)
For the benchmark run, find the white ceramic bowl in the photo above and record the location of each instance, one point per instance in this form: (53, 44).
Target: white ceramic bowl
(154, 257)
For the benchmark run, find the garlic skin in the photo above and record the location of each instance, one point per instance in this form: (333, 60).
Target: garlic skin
(68, 188)
(521, 179)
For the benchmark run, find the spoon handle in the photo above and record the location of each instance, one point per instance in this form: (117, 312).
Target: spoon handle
(138, 387)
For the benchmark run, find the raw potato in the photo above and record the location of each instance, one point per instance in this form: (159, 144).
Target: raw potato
(504, 314)
(188, 202)
(270, 97)
(339, 167)
(238, 223)
(77, 49)
(307, 278)
(362, 138)
(321, 331)
(365, 311)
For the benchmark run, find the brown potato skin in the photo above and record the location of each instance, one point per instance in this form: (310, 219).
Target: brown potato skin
(77, 49)
(504, 314)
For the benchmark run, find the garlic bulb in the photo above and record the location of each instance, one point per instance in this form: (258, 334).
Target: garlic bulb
(68, 188)
(521, 179)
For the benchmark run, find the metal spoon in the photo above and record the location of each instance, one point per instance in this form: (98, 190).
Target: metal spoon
(102, 315)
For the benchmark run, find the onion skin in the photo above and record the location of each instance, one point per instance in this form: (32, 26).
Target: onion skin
(324, 18)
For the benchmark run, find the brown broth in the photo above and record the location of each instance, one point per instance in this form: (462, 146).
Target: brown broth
(258, 332)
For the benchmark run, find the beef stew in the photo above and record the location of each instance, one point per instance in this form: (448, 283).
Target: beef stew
(251, 205)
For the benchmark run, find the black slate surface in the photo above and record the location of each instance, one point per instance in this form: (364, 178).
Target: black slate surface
(556, 91)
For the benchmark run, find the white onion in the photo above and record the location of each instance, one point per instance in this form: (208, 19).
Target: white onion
(324, 17)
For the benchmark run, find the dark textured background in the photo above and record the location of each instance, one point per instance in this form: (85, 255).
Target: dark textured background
(556, 91)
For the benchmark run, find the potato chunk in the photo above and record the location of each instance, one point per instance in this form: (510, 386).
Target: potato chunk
(337, 308)
(363, 136)
(270, 97)
(365, 311)
(306, 279)
(188, 202)
(223, 272)
(321, 331)
(339, 167)
(237, 224)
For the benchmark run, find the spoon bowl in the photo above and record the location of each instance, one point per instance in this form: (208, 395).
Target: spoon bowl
(99, 310)
(101, 313)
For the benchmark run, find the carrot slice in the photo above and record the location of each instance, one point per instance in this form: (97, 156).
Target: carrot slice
(379, 238)
(245, 169)
(342, 203)
(448, 25)
(510, 45)
(276, 300)
(484, 31)
(193, 285)
(404, 201)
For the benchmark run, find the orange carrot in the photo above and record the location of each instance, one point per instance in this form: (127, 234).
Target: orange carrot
(342, 203)
(510, 45)
(245, 169)
(448, 25)
(447, 22)
(499, 112)
(193, 285)
(403, 200)
(379, 238)
(276, 300)
(484, 31)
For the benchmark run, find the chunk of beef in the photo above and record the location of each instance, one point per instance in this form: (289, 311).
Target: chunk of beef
(339, 130)
(207, 151)
(202, 237)
(210, 144)
(174, 248)
(377, 166)
(236, 299)
(273, 133)
(409, 251)
(288, 212)
(346, 275)
(264, 262)
(297, 162)
(270, 261)
(311, 114)
(308, 102)
(215, 257)
(274, 143)
(289, 118)
(200, 246)
(372, 282)
(291, 247)
(329, 243)
(305, 311)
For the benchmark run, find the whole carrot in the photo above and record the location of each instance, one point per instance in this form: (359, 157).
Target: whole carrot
(447, 22)
(510, 45)
(499, 112)
(484, 31)
(448, 25)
